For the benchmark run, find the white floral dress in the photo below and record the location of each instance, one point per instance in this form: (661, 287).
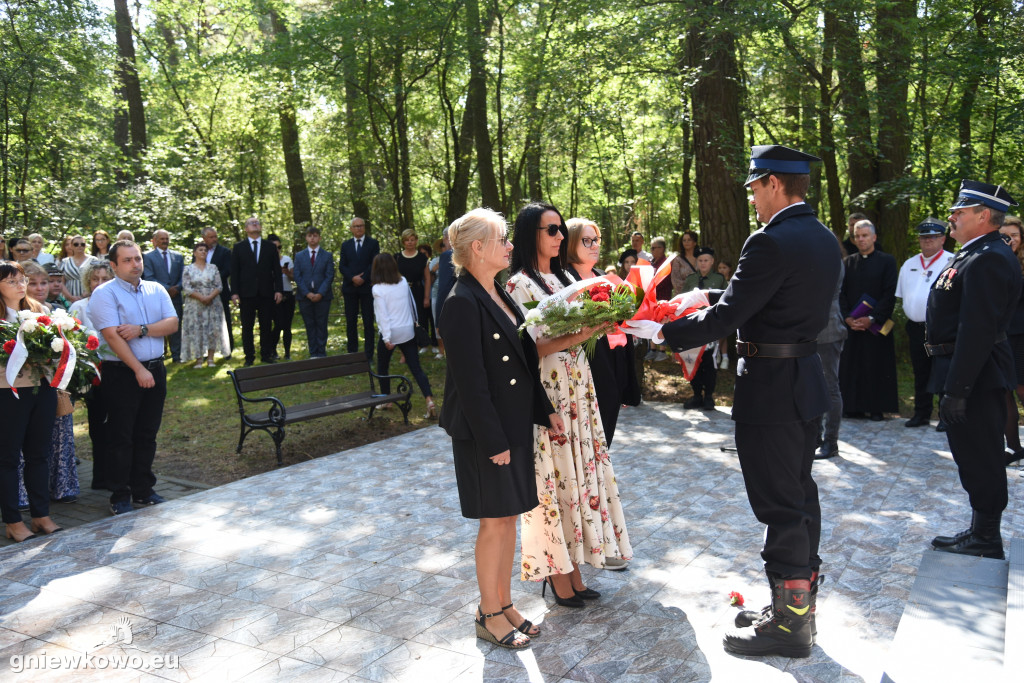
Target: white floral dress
(580, 517)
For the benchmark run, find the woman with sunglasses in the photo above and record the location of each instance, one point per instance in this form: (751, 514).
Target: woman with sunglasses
(72, 269)
(21, 249)
(26, 422)
(580, 516)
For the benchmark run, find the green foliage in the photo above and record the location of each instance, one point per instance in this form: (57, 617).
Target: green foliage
(589, 106)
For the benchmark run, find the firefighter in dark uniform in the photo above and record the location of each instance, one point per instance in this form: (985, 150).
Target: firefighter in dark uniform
(778, 300)
(969, 311)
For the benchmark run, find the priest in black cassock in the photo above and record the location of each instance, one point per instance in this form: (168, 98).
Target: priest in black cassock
(867, 368)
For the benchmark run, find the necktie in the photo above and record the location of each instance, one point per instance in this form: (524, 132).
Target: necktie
(167, 262)
(255, 250)
(312, 259)
(359, 243)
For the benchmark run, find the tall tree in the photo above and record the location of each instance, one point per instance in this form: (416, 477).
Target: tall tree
(301, 214)
(717, 95)
(130, 128)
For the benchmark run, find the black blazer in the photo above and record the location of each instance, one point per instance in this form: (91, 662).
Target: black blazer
(222, 259)
(970, 305)
(781, 293)
(351, 264)
(492, 392)
(252, 279)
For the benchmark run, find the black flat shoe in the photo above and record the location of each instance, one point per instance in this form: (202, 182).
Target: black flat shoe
(1012, 457)
(574, 601)
(917, 421)
(587, 594)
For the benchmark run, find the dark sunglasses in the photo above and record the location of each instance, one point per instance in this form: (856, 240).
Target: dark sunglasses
(552, 229)
(78, 244)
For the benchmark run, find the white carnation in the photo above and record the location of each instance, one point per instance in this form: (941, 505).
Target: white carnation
(29, 326)
(533, 316)
(28, 315)
(57, 344)
(66, 324)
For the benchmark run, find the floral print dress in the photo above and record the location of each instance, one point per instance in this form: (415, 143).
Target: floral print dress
(202, 327)
(580, 517)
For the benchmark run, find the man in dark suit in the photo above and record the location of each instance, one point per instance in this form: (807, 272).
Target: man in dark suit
(165, 267)
(969, 310)
(778, 301)
(220, 256)
(314, 282)
(357, 256)
(256, 288)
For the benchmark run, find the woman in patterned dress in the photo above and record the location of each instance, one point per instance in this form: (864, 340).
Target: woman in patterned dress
(203, 329)
(71, 266)
(580, 517)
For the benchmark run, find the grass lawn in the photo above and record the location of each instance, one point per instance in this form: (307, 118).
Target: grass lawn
(200, 428)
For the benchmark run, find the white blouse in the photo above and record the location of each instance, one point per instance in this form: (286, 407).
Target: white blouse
(393, 308)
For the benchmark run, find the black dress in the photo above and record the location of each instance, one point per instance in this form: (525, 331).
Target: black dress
(867, 367)
(412, 270)
(492, 399)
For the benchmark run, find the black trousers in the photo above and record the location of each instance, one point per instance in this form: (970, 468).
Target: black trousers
(97, 411)
(284, 313)
(249, 309)
(135, 415)
(776, 462)
(412, 359)
(977, 447)
(706, 377)
(27, 426)
(922, 364)
(354, 301)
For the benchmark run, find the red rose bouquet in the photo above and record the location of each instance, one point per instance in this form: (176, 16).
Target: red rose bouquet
(55, 342)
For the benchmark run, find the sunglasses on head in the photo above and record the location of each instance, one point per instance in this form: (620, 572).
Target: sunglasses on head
(552, 229)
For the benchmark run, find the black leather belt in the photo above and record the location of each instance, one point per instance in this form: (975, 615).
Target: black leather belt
(148, 364)
(758, 350)
(947, 349)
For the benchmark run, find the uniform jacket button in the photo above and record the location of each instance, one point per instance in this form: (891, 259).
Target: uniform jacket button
(512, 381)
(504, 358)
(497, 336)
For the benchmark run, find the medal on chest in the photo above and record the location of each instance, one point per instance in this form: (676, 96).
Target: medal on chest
(945, 280)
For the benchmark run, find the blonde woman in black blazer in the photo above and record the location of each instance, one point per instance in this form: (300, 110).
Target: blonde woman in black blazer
(492, 399)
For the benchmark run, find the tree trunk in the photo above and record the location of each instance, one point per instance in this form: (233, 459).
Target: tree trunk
(302, 216)
(462, 155)
(853, 96)
(404, 207)
(826, 132)
(685, 220)
(718, 133)
(476, 104)
(356, 167)
(895, 27)
(973, 69)
(129, 88)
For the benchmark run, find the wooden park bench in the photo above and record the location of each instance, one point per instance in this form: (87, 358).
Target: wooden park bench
(260, 379)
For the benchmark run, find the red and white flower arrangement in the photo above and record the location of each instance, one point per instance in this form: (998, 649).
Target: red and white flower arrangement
(55, 342)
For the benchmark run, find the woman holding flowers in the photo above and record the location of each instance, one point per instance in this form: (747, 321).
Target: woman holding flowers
(614, 370)
(26, 420)
(492, 400)
(580, 516)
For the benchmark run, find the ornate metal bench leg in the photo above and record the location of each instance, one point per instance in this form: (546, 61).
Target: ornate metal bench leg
(278, 438)
(406, 407)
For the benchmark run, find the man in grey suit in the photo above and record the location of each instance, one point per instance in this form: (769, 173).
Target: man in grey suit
(165, 267)
(314, 280)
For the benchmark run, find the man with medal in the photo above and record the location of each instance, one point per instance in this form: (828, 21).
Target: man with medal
(969, 310)
(917, 275)
(778, 300)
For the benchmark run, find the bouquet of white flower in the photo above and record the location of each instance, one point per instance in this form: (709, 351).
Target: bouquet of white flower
(55, 342)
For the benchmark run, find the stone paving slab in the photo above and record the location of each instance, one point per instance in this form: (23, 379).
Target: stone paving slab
(358, 567)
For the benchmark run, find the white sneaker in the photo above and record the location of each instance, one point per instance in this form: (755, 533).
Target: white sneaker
(660, 356)
(650, 355)
(724, 363)
(424, 350)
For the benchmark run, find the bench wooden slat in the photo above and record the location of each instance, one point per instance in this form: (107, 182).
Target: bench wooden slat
(327, 406)
(300, 376)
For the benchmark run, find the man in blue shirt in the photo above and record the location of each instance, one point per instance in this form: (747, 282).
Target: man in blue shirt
(134, 316)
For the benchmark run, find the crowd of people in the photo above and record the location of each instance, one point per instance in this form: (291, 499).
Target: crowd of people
(532, 417)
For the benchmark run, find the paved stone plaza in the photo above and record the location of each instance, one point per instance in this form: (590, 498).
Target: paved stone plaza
(358, 566)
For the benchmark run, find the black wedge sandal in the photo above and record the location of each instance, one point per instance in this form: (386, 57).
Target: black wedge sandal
(508, 640)
(526, 626)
